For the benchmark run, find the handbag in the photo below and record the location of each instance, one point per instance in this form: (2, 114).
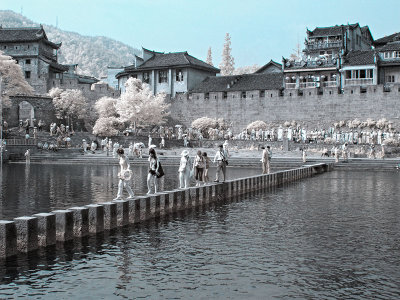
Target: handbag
(160, 171)
(126, 174)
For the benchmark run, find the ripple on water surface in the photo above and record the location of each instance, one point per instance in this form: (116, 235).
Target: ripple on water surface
(334, 236)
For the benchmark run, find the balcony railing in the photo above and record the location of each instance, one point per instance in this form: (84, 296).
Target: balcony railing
(290, 85)
(315, 46)
(20, 142)
(330, 83)
(329, 62)
(305, 85)
(359, 81)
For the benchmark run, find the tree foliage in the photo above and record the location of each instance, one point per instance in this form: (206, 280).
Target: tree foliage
(69, 103)
(246, 69)
(257, 125)
(209, 57)
(227, 65)
(13, 80)
(139, 106)
(105, 107)
(107, 126)
(204, 123)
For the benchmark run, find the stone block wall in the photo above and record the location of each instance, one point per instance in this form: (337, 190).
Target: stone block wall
(314, 108)
(42, 105)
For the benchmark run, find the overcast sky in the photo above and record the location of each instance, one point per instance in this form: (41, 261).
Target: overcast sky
(260, 30)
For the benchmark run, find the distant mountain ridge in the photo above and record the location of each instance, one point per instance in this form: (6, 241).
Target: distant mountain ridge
(92, 54)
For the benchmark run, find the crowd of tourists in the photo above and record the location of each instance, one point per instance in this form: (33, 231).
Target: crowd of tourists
(196, 167)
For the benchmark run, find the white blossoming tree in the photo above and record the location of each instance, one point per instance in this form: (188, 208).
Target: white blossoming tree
(256, 125)
(204, 123)
(227, 65)
(13, 80)
(108, 123)
(209, 57)
(70, 105)
(105, 107)
(107, 126)
(139, 107)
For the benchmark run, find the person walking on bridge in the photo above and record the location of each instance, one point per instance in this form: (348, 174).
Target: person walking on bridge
(184, 170)
(124, 175)
(266, 159)
(221, 158)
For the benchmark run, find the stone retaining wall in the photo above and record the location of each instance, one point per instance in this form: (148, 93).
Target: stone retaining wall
(29, 233)
(312, 108)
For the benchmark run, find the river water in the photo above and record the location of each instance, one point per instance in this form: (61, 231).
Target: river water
(36, 188)
(332, 236)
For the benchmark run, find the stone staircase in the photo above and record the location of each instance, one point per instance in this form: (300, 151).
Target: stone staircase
(76, 156)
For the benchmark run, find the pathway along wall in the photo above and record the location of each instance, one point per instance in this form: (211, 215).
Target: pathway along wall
(29, 233)
(315, 108)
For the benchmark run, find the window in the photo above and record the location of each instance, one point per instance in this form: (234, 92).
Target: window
(396, 54)
(207, 96)
(262, 94)
(225, 95)
(146, 77)
(388, 55)
(27, 74)
(348, 74)
(162, 76)
(390, 78)
(179, 75)
(244, 95)
(28, 61)
(370, 73)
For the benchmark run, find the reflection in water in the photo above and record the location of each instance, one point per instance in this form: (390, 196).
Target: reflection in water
(32, 188)
(333, 236)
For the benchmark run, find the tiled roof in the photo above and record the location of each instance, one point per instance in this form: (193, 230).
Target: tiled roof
(387, 39)
(176, 59)
(392, 46)
(58, 66)
(326, 31)
(389, 62)
(330, 31)
(29, 34)
(245, 82)
(271, 63)
(359, 58)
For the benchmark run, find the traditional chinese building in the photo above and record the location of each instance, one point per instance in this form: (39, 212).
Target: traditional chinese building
(36, 55)
(170, 73)
(271, 67)
(388, 49)
(324, 50)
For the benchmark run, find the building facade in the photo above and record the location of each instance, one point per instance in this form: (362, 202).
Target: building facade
(36, 55)
(325, 49)
(170, 73)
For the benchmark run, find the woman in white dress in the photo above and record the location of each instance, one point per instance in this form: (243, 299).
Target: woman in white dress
(124, 175)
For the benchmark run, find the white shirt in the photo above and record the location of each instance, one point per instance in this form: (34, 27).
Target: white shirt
(220, 155)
